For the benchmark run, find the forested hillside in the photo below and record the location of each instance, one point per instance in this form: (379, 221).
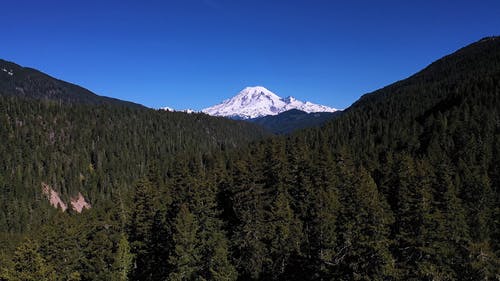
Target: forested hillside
(293, 120)
(404, 185)
(95, 150)
(27, 82)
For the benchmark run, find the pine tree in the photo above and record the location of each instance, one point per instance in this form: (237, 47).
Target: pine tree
(404, 191)
(429, 263)
(220, 267)
(324, 212)
(213, 244)
(250, 229)
(29, 265)
(123, 261)
(140, 230)
(160, 244)
(365, 232)
(284, 236)
(185, 258)
(57, 243)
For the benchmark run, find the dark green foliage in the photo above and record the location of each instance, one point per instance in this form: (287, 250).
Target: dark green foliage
(249, 229)
(140, 230)
(185, 258)
(293, 120)
(29, 265)
(30, 83)
(98, 151)
(364, 232)
(124, 260)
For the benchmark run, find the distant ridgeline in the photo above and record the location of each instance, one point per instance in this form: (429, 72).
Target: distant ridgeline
(403, 185)
(293, 120)
(31, 83)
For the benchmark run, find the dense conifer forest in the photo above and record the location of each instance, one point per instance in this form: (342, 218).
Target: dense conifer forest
(293, 120)
(404, 185)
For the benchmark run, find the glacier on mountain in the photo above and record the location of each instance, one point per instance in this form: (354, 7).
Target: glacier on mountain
(253, 102)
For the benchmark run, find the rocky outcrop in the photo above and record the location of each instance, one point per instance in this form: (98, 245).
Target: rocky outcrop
(53, 197)
(78, 203)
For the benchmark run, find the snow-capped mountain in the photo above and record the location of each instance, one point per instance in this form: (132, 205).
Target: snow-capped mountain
(253, 102)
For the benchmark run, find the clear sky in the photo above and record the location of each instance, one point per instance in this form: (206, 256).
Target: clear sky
(195, 53)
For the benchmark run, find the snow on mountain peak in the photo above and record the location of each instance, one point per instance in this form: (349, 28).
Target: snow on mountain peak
(256, 92)
(251, 95)
(258, 101)
(189, 110)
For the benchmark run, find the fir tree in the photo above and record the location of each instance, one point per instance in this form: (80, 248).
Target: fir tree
(123, 261)
(365, 233)
(29, 265)
(250, 230)
(185, 257)
(140, 230)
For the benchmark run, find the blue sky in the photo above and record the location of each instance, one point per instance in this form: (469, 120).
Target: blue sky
(195, 53)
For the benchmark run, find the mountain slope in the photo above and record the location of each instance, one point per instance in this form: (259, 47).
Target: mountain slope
(82, 144)
(26, 82)
(292, 120)
(468, 76)
(253, 102)
(407, 179)
(474, 62)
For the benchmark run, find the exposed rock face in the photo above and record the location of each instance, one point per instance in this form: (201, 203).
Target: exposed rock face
(53, 197)
(78, 203)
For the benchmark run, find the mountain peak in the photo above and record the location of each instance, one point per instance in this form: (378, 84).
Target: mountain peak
(256, 92)
(257, 101)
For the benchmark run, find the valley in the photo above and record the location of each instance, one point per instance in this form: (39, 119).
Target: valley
(402, 185)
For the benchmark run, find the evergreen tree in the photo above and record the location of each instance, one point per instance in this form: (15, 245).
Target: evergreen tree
(219, 264)
(365, 232)
(325, 208)
(123, 261)
(185, 257)
(29, 265)
(213, 244)
(140, 230)
(408, 180)
(284, 236)
(250, 230)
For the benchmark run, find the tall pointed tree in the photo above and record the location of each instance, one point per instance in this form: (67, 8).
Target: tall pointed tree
(249, 233)
(365, 232)
(285, 233)
(185, 258)
(123, 261)
(29, 265)
(323, 214)
(140, 228)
